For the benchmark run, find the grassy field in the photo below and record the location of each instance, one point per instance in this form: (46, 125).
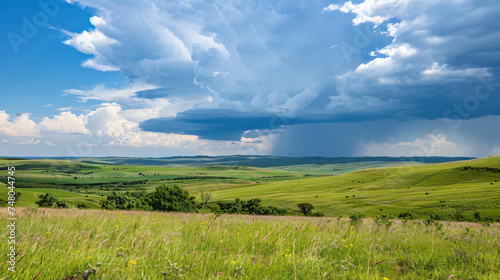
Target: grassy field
(443, 189)
(452, 191)
(60, 244)
(29, 196)
(56, 244)
(89, 183)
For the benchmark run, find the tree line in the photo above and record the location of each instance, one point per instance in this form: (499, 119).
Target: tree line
(176, 199)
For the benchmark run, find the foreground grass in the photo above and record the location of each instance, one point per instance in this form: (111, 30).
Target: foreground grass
(55, 244)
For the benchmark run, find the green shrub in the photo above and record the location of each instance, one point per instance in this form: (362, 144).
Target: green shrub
(172, 199)
(123, 201)
(62, 204)
(251, 206)
(82, 206)
(405, 216)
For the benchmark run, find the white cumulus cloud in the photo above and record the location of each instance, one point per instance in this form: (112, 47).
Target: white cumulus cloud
(19, 126)
(65, 122)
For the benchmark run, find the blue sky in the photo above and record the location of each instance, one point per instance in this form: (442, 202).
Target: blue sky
(295, 78)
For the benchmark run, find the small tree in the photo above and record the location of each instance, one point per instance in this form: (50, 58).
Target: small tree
(46, 200)
(305, 208)
(205, 197)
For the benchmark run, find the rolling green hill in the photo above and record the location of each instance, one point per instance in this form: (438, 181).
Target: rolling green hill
(450, 190)
(29, 196)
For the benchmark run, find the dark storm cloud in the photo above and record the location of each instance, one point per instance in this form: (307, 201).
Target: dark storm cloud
(214, 124)
(349, 63)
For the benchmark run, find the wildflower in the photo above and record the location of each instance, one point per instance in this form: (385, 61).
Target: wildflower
(48, 232)
(132, 262)
(346, 246)
(238, 233)
(123, 216)
(89, 257)
(233, 262)
(116, 226)
(350, 245)
(385, 278)
(343, 240)
(122, 248)
(78, 252)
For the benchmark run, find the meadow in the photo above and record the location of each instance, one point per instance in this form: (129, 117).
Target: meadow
(87, 181)
(98, 244)
(454, 191)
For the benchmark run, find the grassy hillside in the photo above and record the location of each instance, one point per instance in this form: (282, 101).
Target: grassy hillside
(444, 189)
(56, 244)
(78, 183)
(29, 196)
(452, 191)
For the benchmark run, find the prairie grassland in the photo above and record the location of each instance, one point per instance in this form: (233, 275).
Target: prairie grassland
(444, 189)
(56, 244)
(452, 191)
